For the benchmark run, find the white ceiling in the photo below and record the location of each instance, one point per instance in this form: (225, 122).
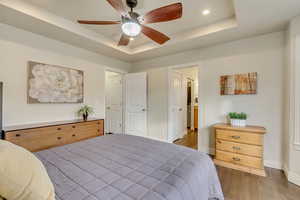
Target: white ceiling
(229, 20)
(101, 10)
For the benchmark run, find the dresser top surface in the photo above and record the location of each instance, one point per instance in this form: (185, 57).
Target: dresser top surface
(253, 129)
(45, 124)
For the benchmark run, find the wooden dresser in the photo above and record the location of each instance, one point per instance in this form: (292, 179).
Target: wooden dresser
(41, 136)
(240, 148)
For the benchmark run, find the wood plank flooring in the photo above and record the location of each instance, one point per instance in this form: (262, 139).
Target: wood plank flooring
(189, 140)
(238, 185)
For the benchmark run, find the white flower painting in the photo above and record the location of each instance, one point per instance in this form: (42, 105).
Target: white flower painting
(54, 84)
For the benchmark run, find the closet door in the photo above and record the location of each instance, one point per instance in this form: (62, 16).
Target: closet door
(136, 104)
(176, 109)
(114, 108)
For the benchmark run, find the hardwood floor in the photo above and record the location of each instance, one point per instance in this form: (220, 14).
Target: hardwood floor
(238, 185)
(189, 140)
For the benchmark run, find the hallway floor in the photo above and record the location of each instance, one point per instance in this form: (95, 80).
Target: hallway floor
(238, 185)
(189, 140)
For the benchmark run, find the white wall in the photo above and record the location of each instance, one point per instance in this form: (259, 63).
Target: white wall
(265, 55)
(264, 109)
(17, 47)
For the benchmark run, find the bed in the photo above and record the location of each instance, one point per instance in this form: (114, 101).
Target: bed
(122, 167)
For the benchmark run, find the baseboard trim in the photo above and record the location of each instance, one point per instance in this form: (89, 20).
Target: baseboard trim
(273, 164)
(158, 139)
(293, 177)
(210, 151)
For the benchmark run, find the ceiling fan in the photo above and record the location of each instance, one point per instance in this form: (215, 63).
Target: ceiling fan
(133, 23)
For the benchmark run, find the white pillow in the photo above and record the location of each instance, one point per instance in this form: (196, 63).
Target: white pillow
(22, 175)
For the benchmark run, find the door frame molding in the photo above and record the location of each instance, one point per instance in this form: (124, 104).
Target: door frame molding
(200, 105)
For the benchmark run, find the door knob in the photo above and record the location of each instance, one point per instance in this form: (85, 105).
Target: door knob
(143, 109)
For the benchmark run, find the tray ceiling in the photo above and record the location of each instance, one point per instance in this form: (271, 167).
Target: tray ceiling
(229, 20)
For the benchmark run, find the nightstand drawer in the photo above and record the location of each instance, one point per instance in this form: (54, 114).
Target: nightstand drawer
(240, 137)
(239, 159)
(239, 148)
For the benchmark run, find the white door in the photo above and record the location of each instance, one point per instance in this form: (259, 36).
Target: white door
(114, 108)
(176, 108)
(136, 104)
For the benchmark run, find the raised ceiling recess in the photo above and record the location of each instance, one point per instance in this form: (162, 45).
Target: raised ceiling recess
(228, 20)
(133, 23)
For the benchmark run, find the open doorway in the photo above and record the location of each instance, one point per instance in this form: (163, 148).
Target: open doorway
(113, 103)
(190, 103)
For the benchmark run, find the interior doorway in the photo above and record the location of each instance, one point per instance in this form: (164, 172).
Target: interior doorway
(190, 96)
(114, 103)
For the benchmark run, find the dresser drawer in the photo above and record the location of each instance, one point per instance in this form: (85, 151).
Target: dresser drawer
(240, 137)
(32, 134)
(39, 141)
(239, 159)
(245, 149)
(97, 122)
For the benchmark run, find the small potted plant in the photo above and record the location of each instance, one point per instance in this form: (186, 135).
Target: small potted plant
(238, 119)
(232, 117)
(243, 119)
(85, 111)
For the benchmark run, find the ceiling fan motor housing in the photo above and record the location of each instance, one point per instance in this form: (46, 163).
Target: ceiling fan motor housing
(131, 3)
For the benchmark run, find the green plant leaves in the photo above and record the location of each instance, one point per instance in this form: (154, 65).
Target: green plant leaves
(234, 115)
(85, 110)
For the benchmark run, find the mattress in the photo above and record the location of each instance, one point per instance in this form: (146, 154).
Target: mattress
(122, 167)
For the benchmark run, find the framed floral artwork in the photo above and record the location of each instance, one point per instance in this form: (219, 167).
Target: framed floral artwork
(239, 84)
(54, 84)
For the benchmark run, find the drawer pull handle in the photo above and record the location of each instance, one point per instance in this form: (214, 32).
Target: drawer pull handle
(236, 159)
(59, 138)
(73, 135)
(73, 126)
(58, 129)
(18, 135)
(236, 148)
(236, 137)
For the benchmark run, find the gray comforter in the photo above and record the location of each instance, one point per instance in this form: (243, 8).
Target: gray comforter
(120, 167)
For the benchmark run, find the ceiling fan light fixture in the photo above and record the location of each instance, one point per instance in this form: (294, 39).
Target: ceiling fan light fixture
(131, 29)
(205, 12)
(133, 24)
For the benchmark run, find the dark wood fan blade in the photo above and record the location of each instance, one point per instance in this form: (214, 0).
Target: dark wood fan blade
(154, 35)
(118, 6)
(124, 41)
(163, 14)
(98, 22)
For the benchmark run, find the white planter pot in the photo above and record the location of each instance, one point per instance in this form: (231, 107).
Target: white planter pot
(243, 123)
(234, 122)
(238, 122)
